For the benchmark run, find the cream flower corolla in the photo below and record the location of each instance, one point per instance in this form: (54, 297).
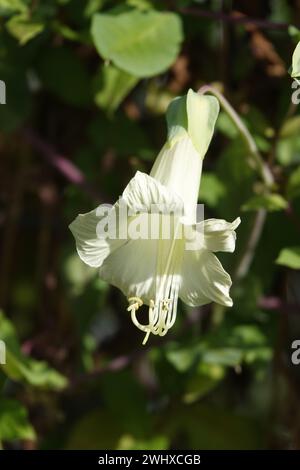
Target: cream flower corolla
(155, 271)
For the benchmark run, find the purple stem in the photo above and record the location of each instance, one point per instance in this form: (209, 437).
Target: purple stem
(275, 303)
(65, 167)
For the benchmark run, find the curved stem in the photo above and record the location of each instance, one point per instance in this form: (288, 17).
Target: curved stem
(249, 252)
(265, 173)
(261, 166)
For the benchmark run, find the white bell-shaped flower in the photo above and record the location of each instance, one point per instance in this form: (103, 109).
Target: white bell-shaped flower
(159, 252)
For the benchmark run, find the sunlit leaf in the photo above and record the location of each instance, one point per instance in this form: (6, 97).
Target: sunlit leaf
(270, 202)
(9, 6)
(182, 358)
(24, 28)
(288, 150)
(223, 356)
(14, 422)
(67, 32)
(24, 369)
(92, 6)
(111, 86)
(144, 43)
(290, 128)
(289, 257)
(293, 185)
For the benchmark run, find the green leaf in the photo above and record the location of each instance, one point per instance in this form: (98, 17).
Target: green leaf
(262, 143)
(294, 33)
(226, 126)
(212, 189)
(92, 6)
(21, 368)
(14, 422)
(68, 33)
(157, 442)
(144, 43)
(290, 128)
(141, 4)
(296, 62)
(223, 356)
(23, 28)
(289, 257)
(247, 336)
(293, 185)
(288, 150)
(78, 274)
(270, 202)
(207, 378)
(9, 6)
(182, 358)
(111, 86)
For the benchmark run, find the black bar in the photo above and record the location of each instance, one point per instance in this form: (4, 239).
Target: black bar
(134, 459)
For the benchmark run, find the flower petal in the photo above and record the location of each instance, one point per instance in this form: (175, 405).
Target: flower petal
(204, 280)
(143, 192)
(132, 269)
(141, 195)
(92, 247)
(220, 235)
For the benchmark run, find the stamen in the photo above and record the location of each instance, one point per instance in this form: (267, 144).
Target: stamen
(134, 304)
(162, 311)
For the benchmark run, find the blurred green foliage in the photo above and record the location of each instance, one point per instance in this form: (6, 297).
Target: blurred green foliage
(20, 368)
(90, 81)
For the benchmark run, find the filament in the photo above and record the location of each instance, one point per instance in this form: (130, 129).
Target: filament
(163, 308)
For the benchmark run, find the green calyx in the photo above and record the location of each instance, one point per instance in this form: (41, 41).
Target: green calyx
(193, 115)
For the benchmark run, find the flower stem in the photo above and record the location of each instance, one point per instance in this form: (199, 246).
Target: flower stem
(261, 166)
(254, 236)
(265, 173)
